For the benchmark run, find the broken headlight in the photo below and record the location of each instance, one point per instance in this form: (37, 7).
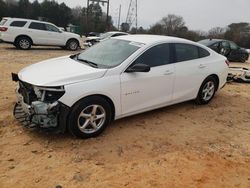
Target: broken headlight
(49, 94)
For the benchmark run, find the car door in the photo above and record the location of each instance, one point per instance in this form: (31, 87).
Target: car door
(54, 35)
(191, 66)
(141, 91)
(235, 53)
(38, 33)
(225, 48)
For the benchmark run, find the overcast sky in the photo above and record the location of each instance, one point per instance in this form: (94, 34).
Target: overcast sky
(198, 14)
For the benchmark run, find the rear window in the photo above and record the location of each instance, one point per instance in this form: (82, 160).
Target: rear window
(18, 23)
(3, 21)
(186, 52)
(203, 52)
(37, 25)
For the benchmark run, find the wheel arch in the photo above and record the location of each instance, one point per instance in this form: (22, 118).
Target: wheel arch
(216, 77)
(108, 99)
(73, 39)
(23, 35)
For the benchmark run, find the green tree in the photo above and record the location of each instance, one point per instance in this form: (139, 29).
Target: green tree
(36, 10)
(3, 7)
(25, 9)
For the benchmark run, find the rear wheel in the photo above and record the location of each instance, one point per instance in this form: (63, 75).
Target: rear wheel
(244, 58)
(72, 44)
(207, 91)
(89, 117)
(23, 43)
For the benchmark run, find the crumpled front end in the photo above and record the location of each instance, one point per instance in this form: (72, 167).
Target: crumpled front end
(39, 106)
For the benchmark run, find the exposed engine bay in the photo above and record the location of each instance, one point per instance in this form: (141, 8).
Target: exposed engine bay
(38, 106)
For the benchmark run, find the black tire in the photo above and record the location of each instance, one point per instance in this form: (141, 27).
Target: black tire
(201, 98)
(72, 45)
(244, 58)
(23, 43)
(75, 120)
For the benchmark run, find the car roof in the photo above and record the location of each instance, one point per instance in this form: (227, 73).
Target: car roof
(151, 39)
(208, 42)
(114, 32)
(23, 19)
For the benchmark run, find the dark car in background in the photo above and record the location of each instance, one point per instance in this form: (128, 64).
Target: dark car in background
(227, 48)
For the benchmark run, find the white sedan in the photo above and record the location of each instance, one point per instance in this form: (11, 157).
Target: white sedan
(90, 41)
(116, 78)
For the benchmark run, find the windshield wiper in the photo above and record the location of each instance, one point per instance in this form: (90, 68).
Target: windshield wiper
(92, 64)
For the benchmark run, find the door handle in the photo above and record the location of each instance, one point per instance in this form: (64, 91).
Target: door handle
(168, 72)
(201, 66)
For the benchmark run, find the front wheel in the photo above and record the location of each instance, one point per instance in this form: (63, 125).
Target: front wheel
(207, 91)
(72, 45)
(89, 117)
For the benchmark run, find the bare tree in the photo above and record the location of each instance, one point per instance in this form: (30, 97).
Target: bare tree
(216, 32)
(172, 24)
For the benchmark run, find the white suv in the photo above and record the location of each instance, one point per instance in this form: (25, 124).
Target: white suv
(24, 33)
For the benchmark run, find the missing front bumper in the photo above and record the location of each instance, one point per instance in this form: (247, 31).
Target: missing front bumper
(42, 115)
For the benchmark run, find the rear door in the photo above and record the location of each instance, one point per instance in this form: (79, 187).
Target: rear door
(191, 66)
(37, 31)
(235, 53)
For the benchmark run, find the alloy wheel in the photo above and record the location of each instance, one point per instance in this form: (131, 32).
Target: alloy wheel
(24, 44)
(208, 91)
(91, 119)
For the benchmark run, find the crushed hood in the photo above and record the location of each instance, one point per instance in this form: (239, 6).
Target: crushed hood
(58, 72)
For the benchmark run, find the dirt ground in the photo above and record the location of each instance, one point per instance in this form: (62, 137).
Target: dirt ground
(178, 146)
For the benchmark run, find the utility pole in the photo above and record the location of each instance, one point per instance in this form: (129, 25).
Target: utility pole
(119, 19)
(107, 20)
(98, 1)
(136, 19)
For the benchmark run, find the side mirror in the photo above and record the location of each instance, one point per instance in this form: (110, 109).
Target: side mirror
(138, 68)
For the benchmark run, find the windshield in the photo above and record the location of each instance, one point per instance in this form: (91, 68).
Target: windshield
(208, 42)
(3, 21)
(109, 53)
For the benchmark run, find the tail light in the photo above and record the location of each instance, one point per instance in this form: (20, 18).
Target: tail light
(3, 29)
(227, 62)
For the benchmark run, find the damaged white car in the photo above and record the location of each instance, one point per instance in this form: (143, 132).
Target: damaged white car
(116, 78)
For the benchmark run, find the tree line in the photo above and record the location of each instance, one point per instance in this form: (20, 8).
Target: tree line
(59, 14)
(95, 20)
(174, 25)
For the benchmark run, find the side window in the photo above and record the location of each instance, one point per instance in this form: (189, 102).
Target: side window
(233, 46)
(3, 21)
(186, 52)
(18, 23)
(215, 45)
(51, 28)
(203, 52)
(37, 26)
(225, 44)
(156, 56)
